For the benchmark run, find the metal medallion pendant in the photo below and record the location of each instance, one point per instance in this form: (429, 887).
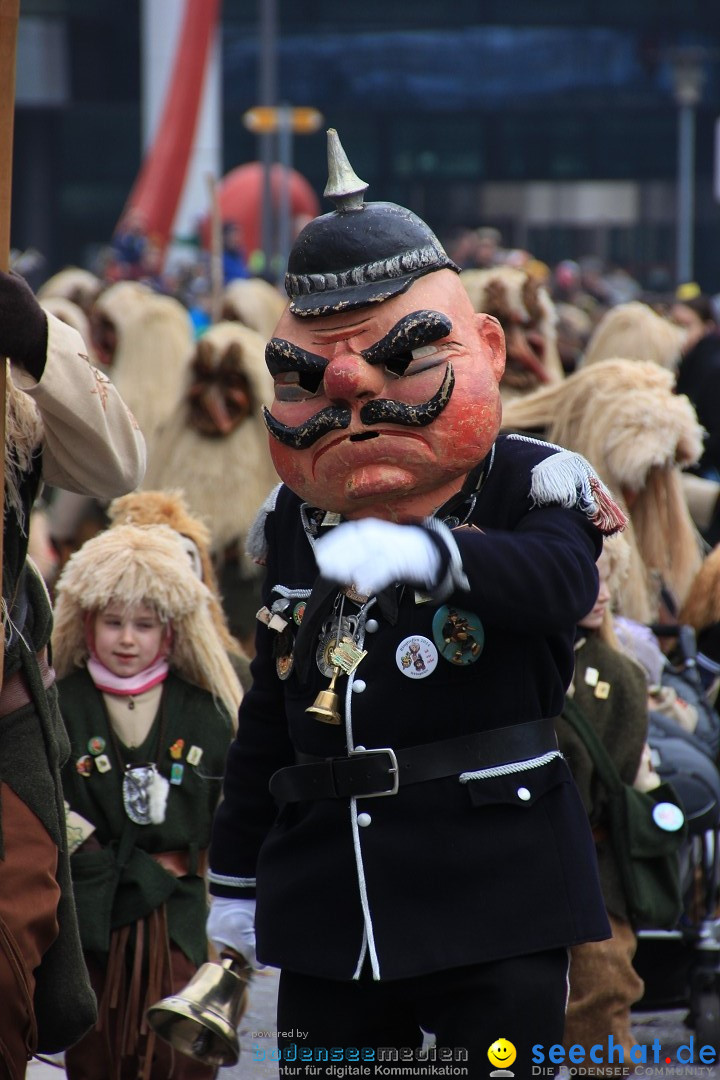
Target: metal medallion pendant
(458, 634)
(284, 666)
(333, 633)
(137, 782)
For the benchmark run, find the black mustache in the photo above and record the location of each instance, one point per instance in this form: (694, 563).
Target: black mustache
(333, 418)
(382, 410)
(377, 411)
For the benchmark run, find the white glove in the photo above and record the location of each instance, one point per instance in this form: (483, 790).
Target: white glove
(370, 554)
(231, 924)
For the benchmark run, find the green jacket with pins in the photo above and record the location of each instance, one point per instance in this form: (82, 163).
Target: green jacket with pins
(119, 881)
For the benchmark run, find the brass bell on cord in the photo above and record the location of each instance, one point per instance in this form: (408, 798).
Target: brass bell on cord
(202, 1020)
(326, 705)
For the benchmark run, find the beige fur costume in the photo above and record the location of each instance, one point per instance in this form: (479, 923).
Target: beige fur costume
(527, 315)
(151, 360)
(254, 303)
(625, 419)
(170, 508)
(72, 283)
(225, 480)
(636, 332)
(130, 564)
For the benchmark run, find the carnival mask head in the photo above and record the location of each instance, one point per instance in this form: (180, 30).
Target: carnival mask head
(386, 380)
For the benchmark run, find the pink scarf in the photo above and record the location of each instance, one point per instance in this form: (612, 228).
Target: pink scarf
(131, 685)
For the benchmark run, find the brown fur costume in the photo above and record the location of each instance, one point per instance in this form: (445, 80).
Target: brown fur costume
(702, 604)
(636, 332)
(170, 508)
(523, 307)
(131, 564)
(625, 419)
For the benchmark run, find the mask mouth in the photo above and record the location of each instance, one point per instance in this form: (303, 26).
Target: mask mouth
(363, 436)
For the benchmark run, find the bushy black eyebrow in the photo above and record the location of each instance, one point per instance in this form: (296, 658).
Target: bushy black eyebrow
(411, 332)
(281, 355)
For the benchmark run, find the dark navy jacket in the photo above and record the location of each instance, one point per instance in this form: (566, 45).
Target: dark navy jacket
(447, 872)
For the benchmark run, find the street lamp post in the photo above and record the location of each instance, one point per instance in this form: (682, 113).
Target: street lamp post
(688, 78)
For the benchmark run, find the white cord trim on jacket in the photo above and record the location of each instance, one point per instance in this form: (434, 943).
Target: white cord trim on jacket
(510, 768)
(536, 442)
(291, 594)
(233, 882)
(365, 903)
(368, 942)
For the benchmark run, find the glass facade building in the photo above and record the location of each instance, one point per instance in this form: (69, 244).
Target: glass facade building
(554, 120)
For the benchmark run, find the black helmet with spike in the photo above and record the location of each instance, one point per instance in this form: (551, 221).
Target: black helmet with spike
(361, 253)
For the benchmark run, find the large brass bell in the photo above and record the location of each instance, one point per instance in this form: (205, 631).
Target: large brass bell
(326, 705)
(202, 1020)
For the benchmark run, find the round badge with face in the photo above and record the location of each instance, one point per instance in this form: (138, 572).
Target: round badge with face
(416, 657)
(383, 410)
(458, 634)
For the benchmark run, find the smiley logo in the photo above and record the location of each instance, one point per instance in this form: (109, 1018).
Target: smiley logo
(502, 1053)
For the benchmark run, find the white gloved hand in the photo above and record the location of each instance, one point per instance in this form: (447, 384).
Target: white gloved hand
(370, 554)
(231, 924)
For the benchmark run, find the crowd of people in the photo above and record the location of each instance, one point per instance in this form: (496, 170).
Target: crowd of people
(481, 496)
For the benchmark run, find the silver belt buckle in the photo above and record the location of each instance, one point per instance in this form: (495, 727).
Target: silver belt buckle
(394, 770)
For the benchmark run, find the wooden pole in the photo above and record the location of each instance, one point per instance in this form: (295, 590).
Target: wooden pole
(9, 18)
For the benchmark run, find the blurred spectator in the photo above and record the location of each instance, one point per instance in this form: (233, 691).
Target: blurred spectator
(234, 258)
(699, 373)
(477, 249)
(129, 244)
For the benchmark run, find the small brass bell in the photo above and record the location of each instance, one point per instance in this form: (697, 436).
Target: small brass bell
(325, 707)
(202, 1020)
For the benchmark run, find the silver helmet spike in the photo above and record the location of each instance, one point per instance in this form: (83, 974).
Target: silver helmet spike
(344, 186)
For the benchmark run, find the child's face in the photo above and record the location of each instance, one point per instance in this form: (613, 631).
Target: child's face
(127, 640)
(593, 619)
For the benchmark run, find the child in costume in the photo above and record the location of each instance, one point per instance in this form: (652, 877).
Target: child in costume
(148, 696)
(171, 508)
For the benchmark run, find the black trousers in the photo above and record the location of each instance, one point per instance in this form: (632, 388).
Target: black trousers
(521, 1000)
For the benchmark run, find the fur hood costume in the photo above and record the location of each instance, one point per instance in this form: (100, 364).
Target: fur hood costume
(623, 416)
(72, 283)
(170, 508)
(216, 443)
(254, 303)
(150, 362)
(131, 563)
(636, 332)
(526, 313)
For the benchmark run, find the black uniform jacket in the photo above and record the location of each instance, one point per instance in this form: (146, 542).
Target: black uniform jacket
(448, 872)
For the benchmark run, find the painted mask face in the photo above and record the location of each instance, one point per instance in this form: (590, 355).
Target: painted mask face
(219, 398)
(383, 410)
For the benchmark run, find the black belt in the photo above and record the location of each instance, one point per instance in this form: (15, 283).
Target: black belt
(368, 773)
